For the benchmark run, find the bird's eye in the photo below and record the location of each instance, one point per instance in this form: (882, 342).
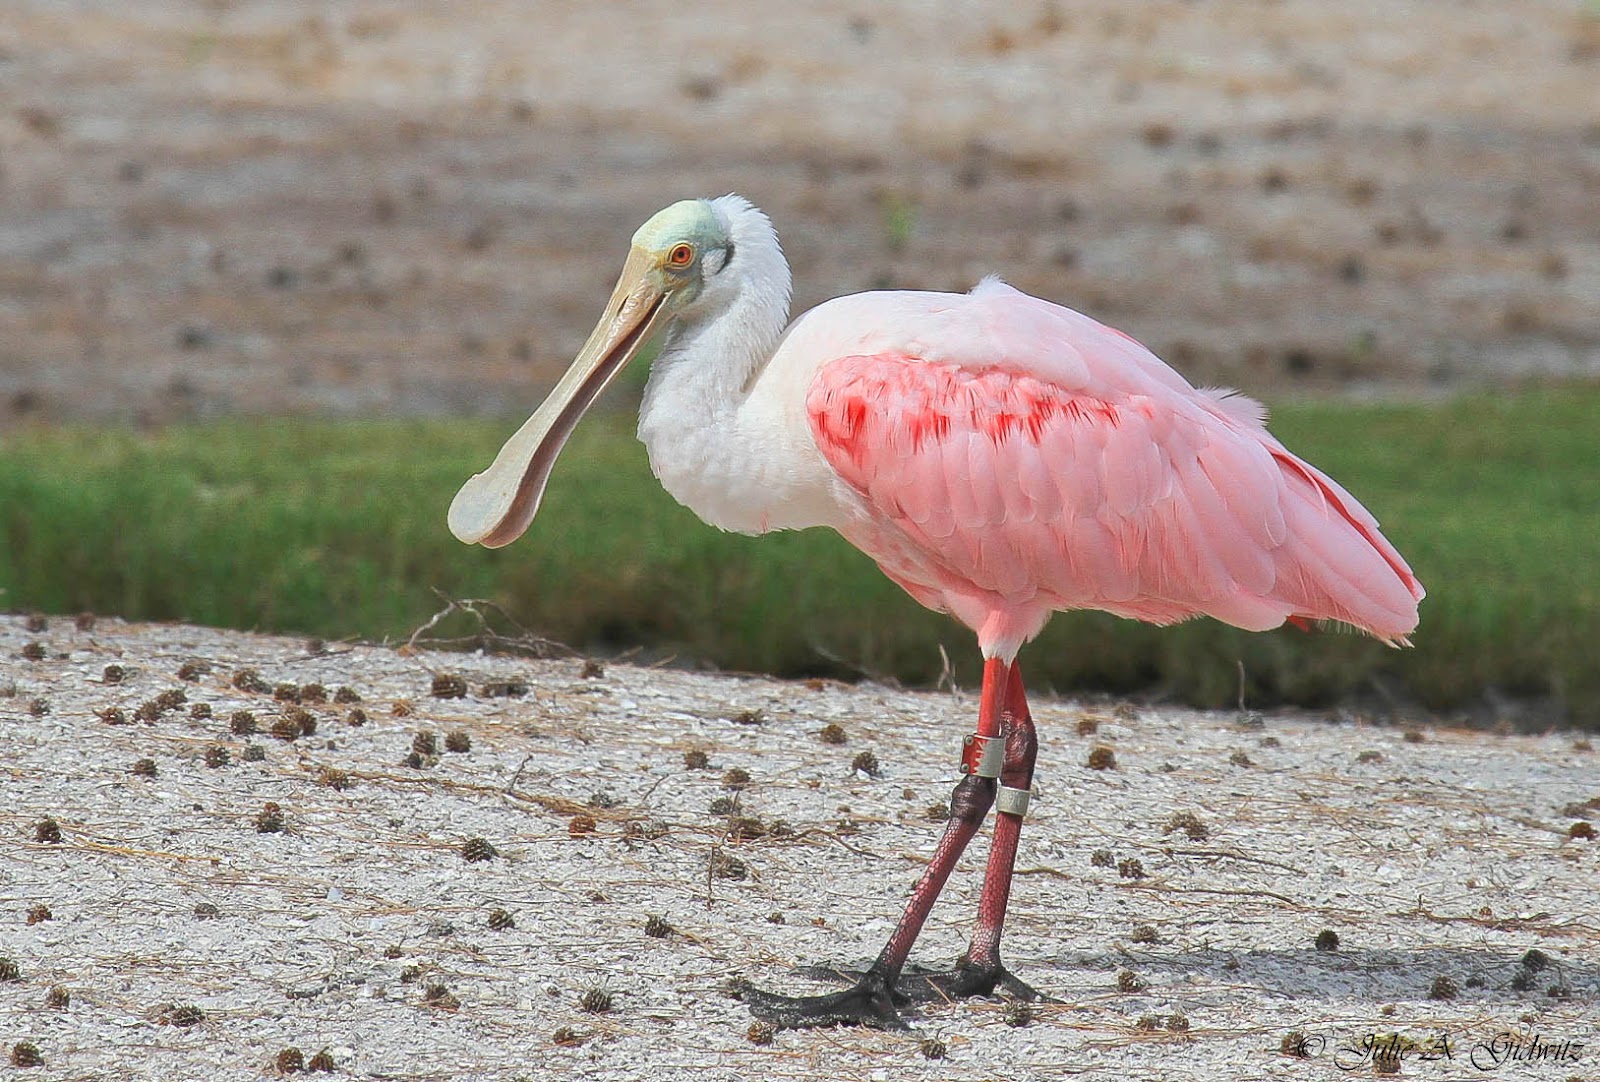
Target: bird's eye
(680, 256)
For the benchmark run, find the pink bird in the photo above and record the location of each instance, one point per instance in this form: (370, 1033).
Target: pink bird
(999, 456)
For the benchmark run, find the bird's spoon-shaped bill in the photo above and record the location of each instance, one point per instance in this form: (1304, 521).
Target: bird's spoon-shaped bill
(494, 507)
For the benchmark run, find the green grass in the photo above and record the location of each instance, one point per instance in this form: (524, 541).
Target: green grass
(337, 529)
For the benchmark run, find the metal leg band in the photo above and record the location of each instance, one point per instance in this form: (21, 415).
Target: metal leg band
(1014, 801)
(982, 755)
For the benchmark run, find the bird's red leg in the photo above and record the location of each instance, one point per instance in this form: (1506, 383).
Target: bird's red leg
(979, 971)
(874, 998)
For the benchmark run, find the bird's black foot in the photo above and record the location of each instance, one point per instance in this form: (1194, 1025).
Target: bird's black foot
(869, 1002)
(962, 981)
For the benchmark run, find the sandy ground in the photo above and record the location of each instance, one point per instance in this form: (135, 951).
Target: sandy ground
(1438, 856)
(212, 206)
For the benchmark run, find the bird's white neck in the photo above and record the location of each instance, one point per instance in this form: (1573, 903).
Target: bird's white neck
(708, 416)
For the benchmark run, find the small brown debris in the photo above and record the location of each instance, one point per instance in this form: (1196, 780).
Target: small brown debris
(1295, 1043)
(217, 755)
(9, 971)
(749, 717)
(322, 1061)
(112, 715)
(1370, 756)
(1148, 1023)
(833, 733)
(346, 695)
(59, 997)
(581, 825)
(144, 768)
(36, 622)
(695, 759)
(457, 740)
(735, 778)
(84, 621)
(248, 680)
(1145, 933)
(744, 828)
(191, 671)
(270, 819)
(426, 742)
(413, 760)
(505, 689)
(724, 866)
(172, 1014)
(206, 911)
(439, 998)
(566, 1037)
(410, 974)
(593, 670)
(932, 1048)
(1444, 988)
(285, 729)
(1412, 736)
(401, 708)
(866, 763)
(657, 927)
(33, 651)
(1130, 982)
(1581, 830)
(1088, 726)
(1103, 858)
(1239, 758)
(243, 723)
(47, 831)
(449, 686)
(254, 753)
(1327, 940)
(1130, 868)
(38, 914)
(113, 674)
(290, 1061)
(304, 719)
(313, 693)
(1102, 758)
(26, 1054)
(1535, 960)
(936, 813)
(500, 920)
(762, 1033)
(474, 850)
(723, 805)
(334, 778)
(775, 917)
(316, 647)
(1190, 824)
(200, 711)
(1177, 1023)
(1018, 1013)
(595, 1001)
(356, 718)
(392, 951)
(286, 693)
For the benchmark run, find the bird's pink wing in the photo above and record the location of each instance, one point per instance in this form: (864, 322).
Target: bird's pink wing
(989, 485)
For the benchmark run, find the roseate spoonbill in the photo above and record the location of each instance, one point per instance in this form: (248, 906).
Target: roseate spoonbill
(999, 456)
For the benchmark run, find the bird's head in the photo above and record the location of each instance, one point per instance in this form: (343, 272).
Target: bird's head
(672, 270)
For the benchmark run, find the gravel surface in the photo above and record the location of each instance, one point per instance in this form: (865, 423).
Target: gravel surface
(196, 942)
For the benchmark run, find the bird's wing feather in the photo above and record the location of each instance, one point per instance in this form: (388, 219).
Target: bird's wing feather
(1116, 485)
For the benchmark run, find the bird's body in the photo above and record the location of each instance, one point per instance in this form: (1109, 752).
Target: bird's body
(1000, 457)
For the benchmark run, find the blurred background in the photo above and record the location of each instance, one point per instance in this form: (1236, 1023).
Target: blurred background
(275, 277)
